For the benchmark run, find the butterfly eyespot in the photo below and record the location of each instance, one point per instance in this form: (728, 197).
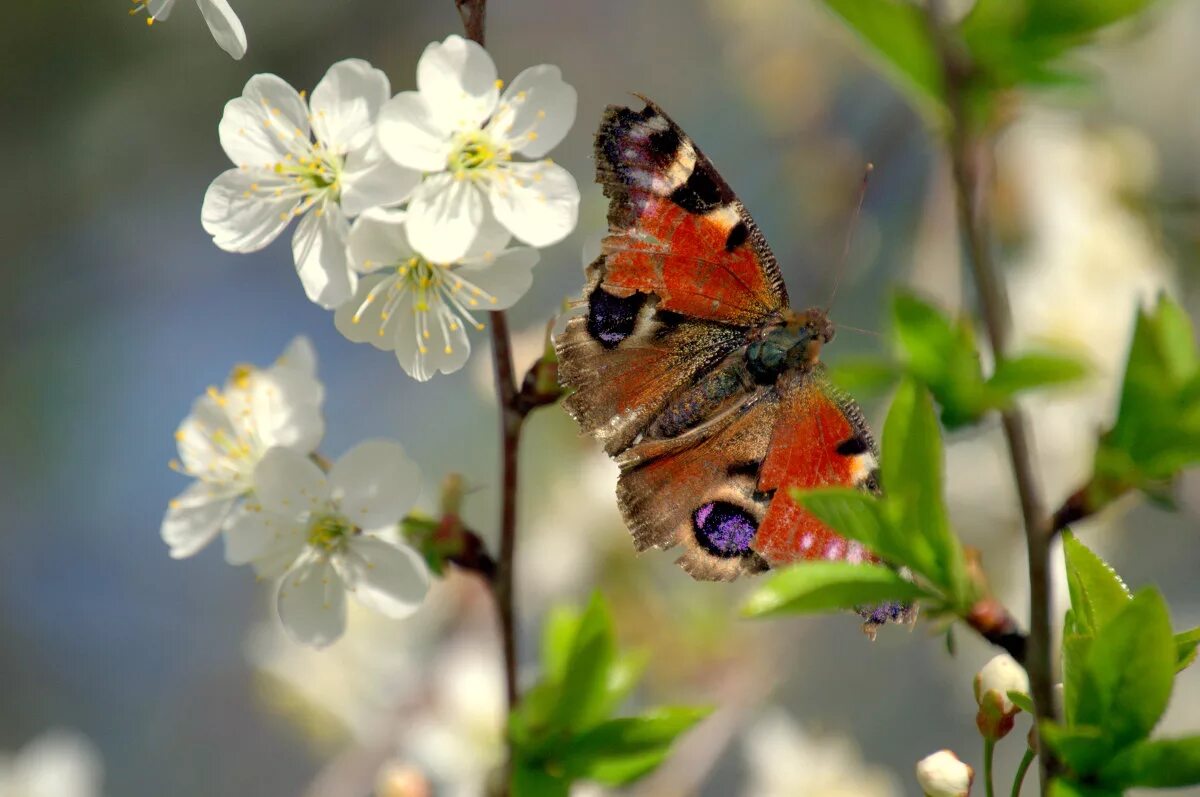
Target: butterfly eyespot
(724, 529)
(852, 447)
(610, 318)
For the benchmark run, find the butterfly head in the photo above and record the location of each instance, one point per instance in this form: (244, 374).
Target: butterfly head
(793, 343)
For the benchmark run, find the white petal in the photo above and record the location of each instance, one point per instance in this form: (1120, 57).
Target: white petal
(370, 178)
(312, 602)
(319, 249)
(536, 111)
(288, 483)
(537, 202)
(194, 517)
(410, 135)
(225, 26)
(493, 237)
(345, 103)
(371, 326)
(299, 356)
(242, 213)
(56, 764)
(458, 80)
(507, 277)
(268, 121)
(272, 543)
(195, 439)
(378, 241)
(375, 484)
(444, 348)
(391, 579)
(444, 218)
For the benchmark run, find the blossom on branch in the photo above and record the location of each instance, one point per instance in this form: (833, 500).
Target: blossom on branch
(228, 432)
(315, 160)
(223, 23)
(332, 534)
(463, 134)
(418, 308)
(942, 774)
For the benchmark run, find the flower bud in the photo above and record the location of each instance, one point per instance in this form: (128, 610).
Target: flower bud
(998, 677)
(943, 775)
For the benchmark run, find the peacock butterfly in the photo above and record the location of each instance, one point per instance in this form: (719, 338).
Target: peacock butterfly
(702, 382)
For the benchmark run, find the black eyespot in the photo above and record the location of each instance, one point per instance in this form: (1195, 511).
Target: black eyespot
(738, 234)
(852, 447)
(663, 146)
(611, 319)
(724, 529)
(701, 193)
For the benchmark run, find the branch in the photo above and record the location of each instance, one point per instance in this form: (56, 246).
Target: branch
(966, 152)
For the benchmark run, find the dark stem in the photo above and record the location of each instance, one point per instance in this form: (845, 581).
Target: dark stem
(967, 152)
(510, 435)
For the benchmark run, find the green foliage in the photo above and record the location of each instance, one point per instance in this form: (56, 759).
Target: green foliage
(943, 354)
(1120, 658)
(564, 731)
(824, 586)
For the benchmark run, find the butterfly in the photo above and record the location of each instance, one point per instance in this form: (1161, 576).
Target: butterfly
(703, 383)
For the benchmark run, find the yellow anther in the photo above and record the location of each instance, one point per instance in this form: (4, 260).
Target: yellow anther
(179, 434)
(499, 83)
(425, 334)
(479, 326)
(541, 114)
(149, 21)
(422, 350)
(449, 350)
(473, 302)
(492, 299)
(368, 263)
(303, 93)
(453, 326)
(533, 135)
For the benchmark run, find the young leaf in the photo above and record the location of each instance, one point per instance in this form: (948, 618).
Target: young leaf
(1130, 670)
(864, 376)
(1072, 19)
(899, 33)
(1157, 763)
(619, 738)
(528, 780)
(1075, 648)
(1084, 748)
(1097, 592)
(823, 586)
(1022, 701)
(943, 355)
(1185, 648)
(1033, 370)
(583, 693)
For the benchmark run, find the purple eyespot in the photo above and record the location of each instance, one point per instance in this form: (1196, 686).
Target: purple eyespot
(724, 529)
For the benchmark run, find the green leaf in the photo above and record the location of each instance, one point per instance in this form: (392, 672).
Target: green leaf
(584, 689)
(1074, 19)
(823, 586)
(558, 635)
(864, 375)
(1075, 649)
(1031, 371)
(1065, 788)
(631, 735)
(533, 782)
(1084, 748)
(1185, 648)
(1097, 592)
(1157, 763)
(943, 355)
(1129, 671)
(898, 33)
(1023, 702)
(912, 476)
(627, 769)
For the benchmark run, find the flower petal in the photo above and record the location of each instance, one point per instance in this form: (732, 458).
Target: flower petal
(370, 178)
(194, 517)
(194, 438)
(444, 218)
(285, 401)
(537, 202)
(299, 356)
(458, 79)
(378, 241)
(312, 602)
(225, 26)
(375, 483)
(240, 215)
(319, 249)
(288, 483)
(345, 103)
(432, 340)
(370, 326)
(536, 111)
(270, 542)
(391, 579)
(266, 123)
(410, 135)
(506, 277)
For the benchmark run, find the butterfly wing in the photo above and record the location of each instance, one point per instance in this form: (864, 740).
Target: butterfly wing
(683, 274)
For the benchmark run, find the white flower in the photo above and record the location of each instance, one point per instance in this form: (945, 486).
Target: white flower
(332, 534)
(420, 309)
(223, 23)
(227, 433)
(943, 775)
(463, 134)
(56, 764)
(295, 157)
(1001, 675)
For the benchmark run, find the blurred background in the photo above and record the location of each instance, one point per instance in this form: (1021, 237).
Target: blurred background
(118, 311)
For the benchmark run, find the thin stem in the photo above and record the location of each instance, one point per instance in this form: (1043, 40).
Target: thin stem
(989, 751)
(967, 151)
(510, 436)
(1022, 768)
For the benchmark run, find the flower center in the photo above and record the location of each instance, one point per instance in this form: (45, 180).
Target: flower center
(475, 151)
(329, 533)
(315, 174)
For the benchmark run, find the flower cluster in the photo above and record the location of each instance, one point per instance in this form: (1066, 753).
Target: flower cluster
(343, 161)
(251, 451)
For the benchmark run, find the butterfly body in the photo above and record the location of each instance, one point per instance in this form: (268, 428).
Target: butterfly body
(700, 379)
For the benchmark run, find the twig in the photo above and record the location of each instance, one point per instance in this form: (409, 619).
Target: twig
(965, 152)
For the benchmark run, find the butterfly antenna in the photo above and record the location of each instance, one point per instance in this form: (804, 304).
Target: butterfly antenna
(862, 194)
(871, 332)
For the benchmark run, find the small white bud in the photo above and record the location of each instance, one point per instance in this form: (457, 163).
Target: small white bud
(1002, 675)
(943, 775)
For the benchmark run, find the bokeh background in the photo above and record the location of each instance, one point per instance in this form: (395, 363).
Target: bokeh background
(118, 310)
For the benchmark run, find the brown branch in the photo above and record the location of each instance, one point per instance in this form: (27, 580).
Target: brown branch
(967, 151)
